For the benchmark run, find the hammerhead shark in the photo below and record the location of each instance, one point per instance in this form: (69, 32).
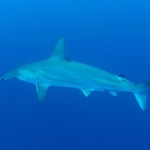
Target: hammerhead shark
(58, 70)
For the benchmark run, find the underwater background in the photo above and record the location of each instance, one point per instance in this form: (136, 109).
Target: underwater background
(113, 35)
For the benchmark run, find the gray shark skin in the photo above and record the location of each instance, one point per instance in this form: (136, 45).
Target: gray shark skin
(58, 70)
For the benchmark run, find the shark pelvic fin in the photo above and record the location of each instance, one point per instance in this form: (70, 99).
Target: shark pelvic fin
(41, 91)
(59, 53)
(87, 92)
(114, 93)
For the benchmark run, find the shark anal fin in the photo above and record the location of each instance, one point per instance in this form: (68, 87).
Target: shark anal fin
(87, 92)
(41, 91)
(59, 53)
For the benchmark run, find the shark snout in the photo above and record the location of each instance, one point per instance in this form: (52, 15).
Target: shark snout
(7, 76)
(2, 78)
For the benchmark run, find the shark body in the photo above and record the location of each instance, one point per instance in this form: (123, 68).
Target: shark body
(58, 70)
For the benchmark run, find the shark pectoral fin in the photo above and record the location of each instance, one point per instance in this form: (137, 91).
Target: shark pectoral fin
(41, 91)
(142, 100)
(87, 92)
(114, 93)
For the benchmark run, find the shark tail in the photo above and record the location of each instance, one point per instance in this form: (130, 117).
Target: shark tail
(141, 94)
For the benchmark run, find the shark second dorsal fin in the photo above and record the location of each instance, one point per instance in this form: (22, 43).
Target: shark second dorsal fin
(41, 91)
(59, 53)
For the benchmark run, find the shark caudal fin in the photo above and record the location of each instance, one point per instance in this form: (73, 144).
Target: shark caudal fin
(141, 94)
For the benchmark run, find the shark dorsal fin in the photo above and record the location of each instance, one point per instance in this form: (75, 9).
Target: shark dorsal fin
(59, 53)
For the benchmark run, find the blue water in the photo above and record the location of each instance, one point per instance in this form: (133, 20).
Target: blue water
(113, 35)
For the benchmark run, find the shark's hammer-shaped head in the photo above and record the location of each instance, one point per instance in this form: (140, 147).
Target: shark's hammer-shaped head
(8, 75)
(29, 73)
(23, 73)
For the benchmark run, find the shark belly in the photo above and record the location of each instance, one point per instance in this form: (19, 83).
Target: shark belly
(77, 79)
